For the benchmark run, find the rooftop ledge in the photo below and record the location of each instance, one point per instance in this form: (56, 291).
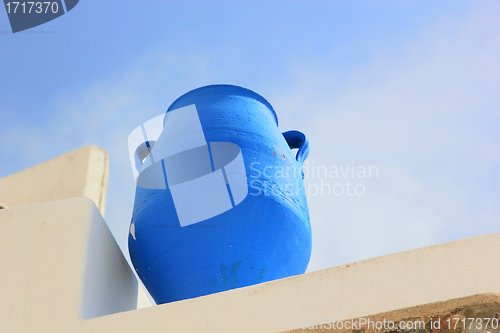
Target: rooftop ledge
(62, 271)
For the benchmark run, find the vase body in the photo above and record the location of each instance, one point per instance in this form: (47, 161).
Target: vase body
(220, 200)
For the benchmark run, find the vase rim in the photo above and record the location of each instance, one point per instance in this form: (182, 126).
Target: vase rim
(228, 89)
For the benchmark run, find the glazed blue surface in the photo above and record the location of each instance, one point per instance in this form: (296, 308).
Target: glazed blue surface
(265, 237)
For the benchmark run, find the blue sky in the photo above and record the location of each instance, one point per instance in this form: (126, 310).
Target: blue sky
(411, 87)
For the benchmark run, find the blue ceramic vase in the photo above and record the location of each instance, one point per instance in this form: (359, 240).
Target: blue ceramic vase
(220, 200)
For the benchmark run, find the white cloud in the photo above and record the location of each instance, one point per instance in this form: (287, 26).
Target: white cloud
(425, 113)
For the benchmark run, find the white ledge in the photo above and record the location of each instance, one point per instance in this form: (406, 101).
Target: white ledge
(59, 265)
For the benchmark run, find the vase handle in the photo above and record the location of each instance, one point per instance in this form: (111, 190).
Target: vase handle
(296, 139)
